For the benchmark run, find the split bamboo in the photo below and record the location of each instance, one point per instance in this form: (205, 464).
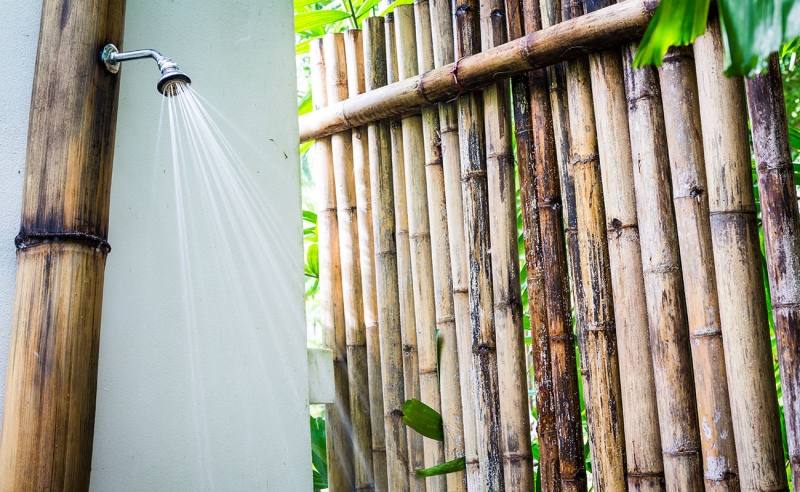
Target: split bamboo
(337, 414)
(407, 308)
(443, 53)
(604, 28)
(599, 356)
(685, 144)
(388, 298)
(440, 257)
(663, 280)
(476, 228)
(62, 246)
(779, 212)
(355, 333)
(354, 51)
(734, 237)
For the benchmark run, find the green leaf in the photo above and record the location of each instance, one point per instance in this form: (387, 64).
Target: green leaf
(312, 261)
(794, 138)
(304, 46)
(423, 419)
(455, 465)
(305, 21)
(675, 23)
(305, 146)
(366, 8)
(310, 216)
(396, 4)
(319, 455)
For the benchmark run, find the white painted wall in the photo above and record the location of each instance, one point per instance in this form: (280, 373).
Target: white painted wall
(220, 405)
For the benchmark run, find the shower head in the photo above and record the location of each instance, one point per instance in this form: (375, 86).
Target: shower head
(171, 74)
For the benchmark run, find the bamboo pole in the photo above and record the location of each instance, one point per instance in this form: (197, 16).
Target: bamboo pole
(355, 333)
(443, 53)
(598, 337)
(669, 332)
(407, 308)
(62, 245)
(781, 220)
(419, 238)
(476, 228)
(734, 237)
(354, 51)
(388, 297)
(685, 144)
(571, 39)
(440, 256)
(337, 414)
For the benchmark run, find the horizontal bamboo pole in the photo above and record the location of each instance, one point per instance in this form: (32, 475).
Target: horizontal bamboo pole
(567, 40)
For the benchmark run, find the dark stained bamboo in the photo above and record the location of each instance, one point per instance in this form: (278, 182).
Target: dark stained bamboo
(685, 143)
(781, 221)
(440, 256)
(388, 298)
(599, 357)
(355, 333)
(443, 53)
(476, 226)
(48, 420)
(337, 414)
(354, 51)
(606, 28)
(416, 457)
(669, 330)
(734, 235)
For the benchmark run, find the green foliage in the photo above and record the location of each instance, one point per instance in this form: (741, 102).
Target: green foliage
(310, 239)
(455, 465)
(423, 419)
(319, 454)
(675, 23)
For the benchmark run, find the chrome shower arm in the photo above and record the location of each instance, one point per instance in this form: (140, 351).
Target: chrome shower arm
(170, 72)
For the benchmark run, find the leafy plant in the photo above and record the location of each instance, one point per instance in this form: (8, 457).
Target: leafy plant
(423, 419)
(319, 456)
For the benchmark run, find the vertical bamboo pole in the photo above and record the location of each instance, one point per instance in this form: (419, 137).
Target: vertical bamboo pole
(476, 227)
(337, 414)
(443, 53)
(388, 297)
(779, 212)
(734, 236)
(685, 144)
(669, 333)
(509, 337)
(598, 345)
(355, 333)
(440, 256)
(407, 308)
(48, 420)
(354, 51)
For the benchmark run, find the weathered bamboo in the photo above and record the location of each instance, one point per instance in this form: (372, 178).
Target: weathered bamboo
(388, 297)
(48, 421)
(354, 51)
(781, 220)
(685, 144)
(443, 53)
(669, 332)
(598, 336)
(355, 333)
(734, 236)
(440, 256)
(476, 228)
(337, 421)
(605, 28)
(407, 311)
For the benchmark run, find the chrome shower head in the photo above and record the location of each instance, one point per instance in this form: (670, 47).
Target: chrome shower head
(171, 75)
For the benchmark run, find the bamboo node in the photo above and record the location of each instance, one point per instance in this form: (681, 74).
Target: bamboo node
(25, 240)
(472, 174)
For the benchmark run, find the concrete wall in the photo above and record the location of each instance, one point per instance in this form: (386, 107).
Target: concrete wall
(215, 398)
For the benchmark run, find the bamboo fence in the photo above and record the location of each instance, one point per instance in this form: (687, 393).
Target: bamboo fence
(639, 225)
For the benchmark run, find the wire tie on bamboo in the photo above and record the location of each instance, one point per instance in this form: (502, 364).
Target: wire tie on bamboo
(421, 91)
(30, 239)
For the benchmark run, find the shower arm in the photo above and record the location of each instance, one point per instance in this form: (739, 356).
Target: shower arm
(112, 57)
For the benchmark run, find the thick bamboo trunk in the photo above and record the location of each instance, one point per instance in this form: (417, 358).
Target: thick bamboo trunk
(440, 256)
(598, 30)
(734, 237)
(669, 333)
(354, 51)
(685, 143)
(48, 419)
(443, 53)
(781, 220)
(419, 238)
(339, 445)
(388, 298)
(355, 333)
(476, 227)
(599, 356)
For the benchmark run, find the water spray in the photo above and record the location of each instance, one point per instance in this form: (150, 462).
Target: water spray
(171, 74)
